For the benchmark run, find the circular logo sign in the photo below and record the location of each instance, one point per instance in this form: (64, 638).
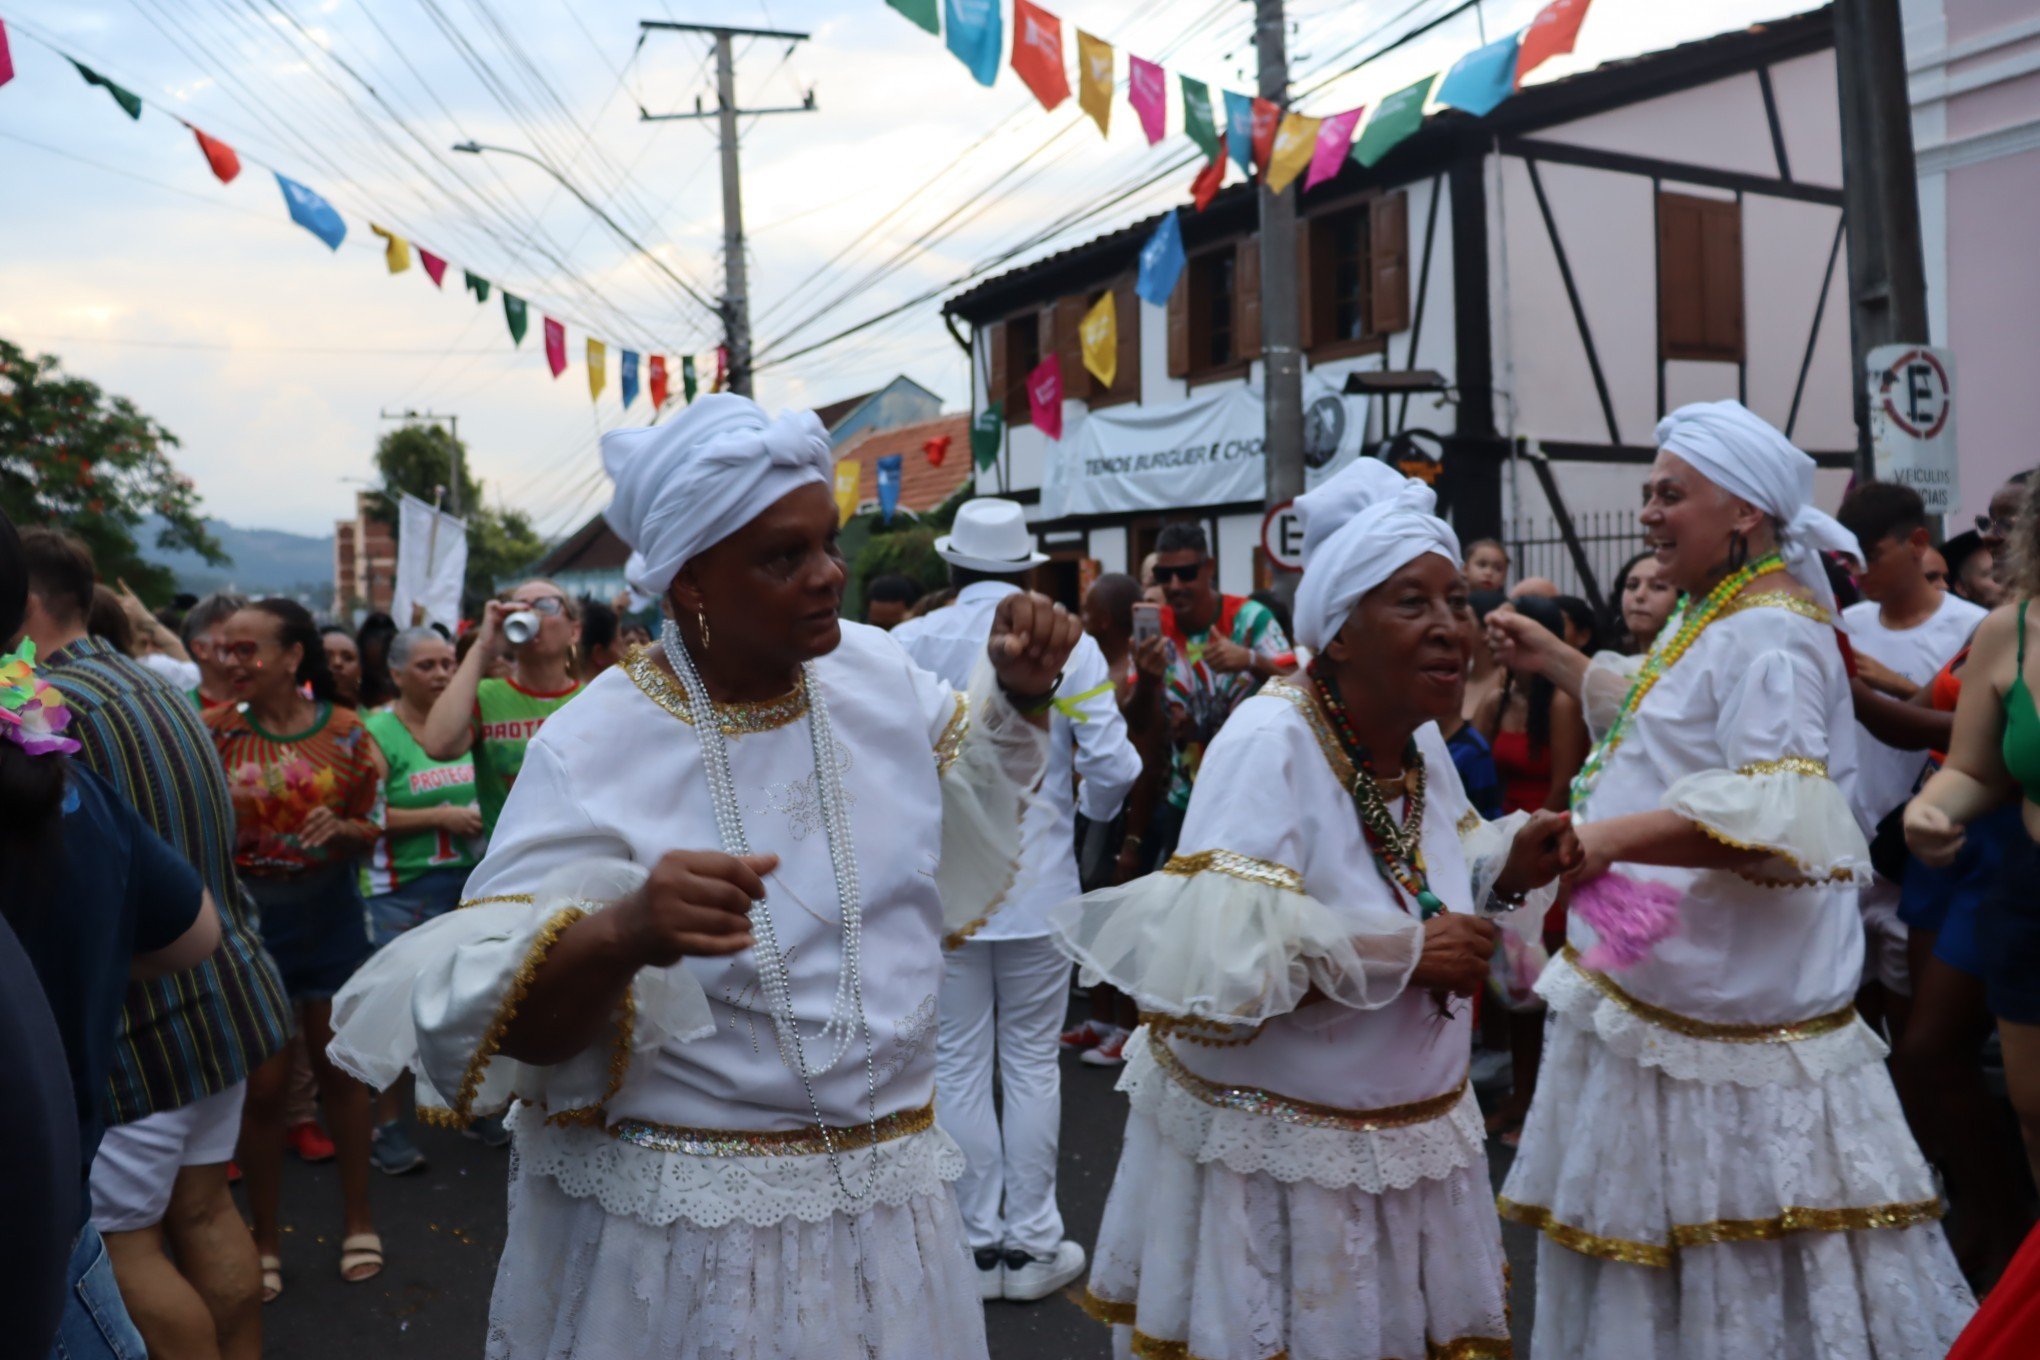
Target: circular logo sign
(1282, 537)
(1916, 394)
(1324, 427)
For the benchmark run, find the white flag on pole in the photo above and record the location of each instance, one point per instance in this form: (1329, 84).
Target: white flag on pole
(431, 565)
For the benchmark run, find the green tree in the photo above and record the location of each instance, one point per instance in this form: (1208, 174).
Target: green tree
(419, 460)
(71, 455)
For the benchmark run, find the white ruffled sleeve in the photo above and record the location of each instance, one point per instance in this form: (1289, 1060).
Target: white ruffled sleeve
(1603, 688)
(1773, 792)
(1486, 846)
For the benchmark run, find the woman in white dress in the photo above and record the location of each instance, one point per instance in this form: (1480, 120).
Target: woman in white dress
(1303, 1173)
(1715, 1155)
(703, 951)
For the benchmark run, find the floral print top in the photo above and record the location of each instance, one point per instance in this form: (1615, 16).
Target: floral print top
(277, 781)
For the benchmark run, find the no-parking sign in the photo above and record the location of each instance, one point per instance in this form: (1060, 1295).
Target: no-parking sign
(1912, 422)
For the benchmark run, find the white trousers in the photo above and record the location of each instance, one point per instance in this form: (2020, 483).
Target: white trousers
(1004, 999)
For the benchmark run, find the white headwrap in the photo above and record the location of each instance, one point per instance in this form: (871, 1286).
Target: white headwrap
(685, 486)
(1743, 454)
(1359, 529)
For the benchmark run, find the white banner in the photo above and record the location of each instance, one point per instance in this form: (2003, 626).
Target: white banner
(1204, 451)
(432, 555)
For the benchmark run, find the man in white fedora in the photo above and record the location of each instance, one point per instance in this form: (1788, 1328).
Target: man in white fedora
(1005, 987)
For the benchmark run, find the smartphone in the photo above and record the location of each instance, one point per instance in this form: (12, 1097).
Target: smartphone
(1147, 622)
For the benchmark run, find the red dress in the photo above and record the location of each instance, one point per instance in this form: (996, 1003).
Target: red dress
(1526, 775)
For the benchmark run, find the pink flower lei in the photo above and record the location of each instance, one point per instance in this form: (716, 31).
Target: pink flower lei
(33, 714)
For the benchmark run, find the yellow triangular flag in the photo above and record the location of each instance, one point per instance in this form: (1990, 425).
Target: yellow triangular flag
(1094, 80)
(396, 250)
(848, 473)
(1294, 142)
(1100, 333)
(596, 374)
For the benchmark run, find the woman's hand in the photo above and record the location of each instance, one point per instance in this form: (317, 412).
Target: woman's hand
(1032, 637)
(696, 902)
(1931, 834)
(456, 820)
(1520, 643)
(492, 642)
(1593, 858)
(1151, 657)
(320, 828)
(1545, 847)
(1456, 952)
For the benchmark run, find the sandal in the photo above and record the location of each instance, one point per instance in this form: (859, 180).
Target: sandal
(272, 1277)
(362, 1249)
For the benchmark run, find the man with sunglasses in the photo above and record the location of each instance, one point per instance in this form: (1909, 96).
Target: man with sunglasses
(1222, 648)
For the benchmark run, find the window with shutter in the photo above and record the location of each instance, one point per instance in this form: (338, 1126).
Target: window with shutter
(1126, 345)
(1212, 320)
(1066, 340)
(1700, 283)
(1336, 269)
(996, 382)
(1388, 254)
(1023, 353)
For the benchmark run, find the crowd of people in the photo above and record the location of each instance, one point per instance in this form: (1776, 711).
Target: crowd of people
(766, 930)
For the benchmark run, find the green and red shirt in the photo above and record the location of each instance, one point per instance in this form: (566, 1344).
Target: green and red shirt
(507, 717)
(415, 782)
(276, 781)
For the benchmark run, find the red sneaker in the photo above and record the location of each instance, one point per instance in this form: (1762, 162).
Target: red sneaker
(1090, 1034)
(1108, 1054)
(233, 1173)
(309, 1142)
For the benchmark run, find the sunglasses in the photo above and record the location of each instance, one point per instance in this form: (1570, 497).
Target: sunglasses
(238, 651)
(549, 605)
(1180, 575)
(1994, 527)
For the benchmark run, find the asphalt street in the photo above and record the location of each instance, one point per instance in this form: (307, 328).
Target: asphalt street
(443, 1229)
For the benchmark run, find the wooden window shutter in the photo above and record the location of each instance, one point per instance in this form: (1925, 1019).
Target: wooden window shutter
(996, 386)
(1722, 275)
(1306, 292)
(1126, 313)
(1179, 326)
(1388, 245)
(1066, 320)
(1700, 278)
(1247, 299)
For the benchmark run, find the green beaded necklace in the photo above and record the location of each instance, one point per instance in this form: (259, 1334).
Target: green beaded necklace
(1397, 849)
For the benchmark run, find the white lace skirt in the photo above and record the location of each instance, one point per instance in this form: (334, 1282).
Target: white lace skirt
(1760, 1207)
(577, 1282)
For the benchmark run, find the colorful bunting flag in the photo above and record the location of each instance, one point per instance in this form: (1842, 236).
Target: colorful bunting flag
(396, 250)
(628, 378)
(1037, 53)
(475, 284)
(889, 470)
(123, 96)
(555, 347)
(598, 368)
(1147, 89)
(1399, 115)
(1161, 260)
(1334, 140)
(6, 57)
(974, 36)
(936, 450)
(514, 315)
(921, 12)
(1267, 116)
(1044, 396)
(1295, 140)
(1239, 129)
(225, 164)
(658, 383)
(1208, 182)
(1198, 124)
(987, 432)
(1094, 80)
(689, 383)
(313, 213)
(435, 268)
(1098, 333)
(847, 474)
(1552, 33)
(1482, 78)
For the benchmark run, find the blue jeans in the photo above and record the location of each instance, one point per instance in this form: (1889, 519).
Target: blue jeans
(96, 1325)
(433, 893)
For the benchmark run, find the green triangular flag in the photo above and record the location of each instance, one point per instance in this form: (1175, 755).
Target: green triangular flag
(513, 312)
(688, 382)
(986, 432)
(1395, 118)
(126, 98)
(921, 12)
(1197, 119)
(477, 285)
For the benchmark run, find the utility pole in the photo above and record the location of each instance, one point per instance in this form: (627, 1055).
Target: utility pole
(736, 300)
(1281, 361)
(453, 505)
(1880, 194)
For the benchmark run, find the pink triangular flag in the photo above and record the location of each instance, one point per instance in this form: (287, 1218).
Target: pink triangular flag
(6, 58)
(1334, 140)
(1147, 89)
(434, 266)
(1044, 397)
(555, 347)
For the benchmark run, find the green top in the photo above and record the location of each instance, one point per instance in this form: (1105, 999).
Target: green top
(2022, 725)
(417, 781)
(506, 719)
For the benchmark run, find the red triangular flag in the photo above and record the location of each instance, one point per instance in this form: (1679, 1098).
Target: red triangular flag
(225, 164)
(722, 368)
(937, 449)
(434, 266)
(1205, 187)
(1552, 33)
(1038, 54)
(555, 347)
(1267, 114)
(6, 59)
(658, 382)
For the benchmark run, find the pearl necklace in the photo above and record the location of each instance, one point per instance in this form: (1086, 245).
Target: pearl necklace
(1678, 636)
(846, 1015)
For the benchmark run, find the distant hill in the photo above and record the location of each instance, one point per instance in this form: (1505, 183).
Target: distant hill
(265, 561)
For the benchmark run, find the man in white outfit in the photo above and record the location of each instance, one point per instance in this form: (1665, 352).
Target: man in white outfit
(1005, 987)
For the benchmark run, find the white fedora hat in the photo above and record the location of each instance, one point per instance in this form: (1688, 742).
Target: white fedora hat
(990, 535)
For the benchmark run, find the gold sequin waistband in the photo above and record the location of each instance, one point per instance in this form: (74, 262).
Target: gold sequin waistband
(1788, 1222)
(806, 1141)
(1115, 1313)
(1254, 1100)
(1785, 1032)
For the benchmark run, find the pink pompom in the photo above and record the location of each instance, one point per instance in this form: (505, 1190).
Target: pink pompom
(1629, 916)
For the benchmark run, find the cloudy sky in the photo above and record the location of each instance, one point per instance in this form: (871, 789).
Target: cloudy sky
(272, 358)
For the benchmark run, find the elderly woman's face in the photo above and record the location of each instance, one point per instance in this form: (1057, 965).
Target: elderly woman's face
(1409, 642)
(427, 670)
(771, 590)
(1688, 522)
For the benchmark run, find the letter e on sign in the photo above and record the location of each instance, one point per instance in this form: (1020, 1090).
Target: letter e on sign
(1282, 537)
(1912, 422)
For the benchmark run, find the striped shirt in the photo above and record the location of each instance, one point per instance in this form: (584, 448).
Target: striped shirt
(197, 1032)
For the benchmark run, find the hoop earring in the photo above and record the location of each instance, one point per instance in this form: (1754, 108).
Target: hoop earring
(701, 622)
(1738, 550)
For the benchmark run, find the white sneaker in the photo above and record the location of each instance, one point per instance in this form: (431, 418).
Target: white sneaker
(991, 1265)
(1036, 1277)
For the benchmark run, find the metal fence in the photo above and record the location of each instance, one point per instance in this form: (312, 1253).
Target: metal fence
(1608, 537)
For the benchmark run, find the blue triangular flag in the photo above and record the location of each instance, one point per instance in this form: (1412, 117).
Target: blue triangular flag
(1239, 129)
(313, 213)
(1482, 79)
(973, 35)
(629, 376)
(1161, 260)
(889, 486)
